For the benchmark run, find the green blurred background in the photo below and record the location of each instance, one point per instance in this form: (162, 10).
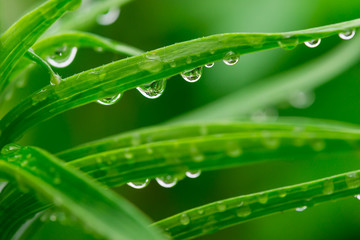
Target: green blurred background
(152, 24)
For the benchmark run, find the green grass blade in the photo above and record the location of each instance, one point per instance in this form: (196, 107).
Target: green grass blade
(190, 130)
(15, 42)
(219, 215)
(86, 16)
(102, 211)
(276, 89)
(110, 79)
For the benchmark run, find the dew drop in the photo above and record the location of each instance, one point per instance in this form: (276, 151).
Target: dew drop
(193, 174)
(347, 35)
(313, 43)
(288, 43)
(110, 100)
(301, 209)
(184, 219)
(138, 184)
(3, 185)
(328, 187)
(152, 63)
(231, 58)
(192, 75)
(233, 149)
(243, 210)
(263, 198)
(153, 90)
(301, 99)
(352, 180)
(10, 148)
(282, 193)
(167, 181)
(63, 57)
(356, 196)
(108, 18)
(221, 207)
(210, 65)
(318, 145)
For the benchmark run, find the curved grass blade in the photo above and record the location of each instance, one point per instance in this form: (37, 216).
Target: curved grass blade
(190, 130)
(86, 16)
(279, 88)
(117, 77)
(235, 145)
(48, 46)
(15, 42)
(212, 217)
(109, 216)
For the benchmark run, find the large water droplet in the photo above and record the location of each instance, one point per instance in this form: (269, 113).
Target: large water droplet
(2, 185)
(288, 43)
(138, 184)
(210, 65)
(152, 63)
(243, 210)
(313, 43)
(10, 148)
(221, 206)
(356, 196)
(109, 18)
(110, 100)
(231, 58)
(63, 57)
(263, 198)
(193, 174)
(153, 90)
(347, 35)
(167, 181)
(184, 219)
(352, 180)
(301, 209)
(192, 75)
(328, 187)
(301, 99)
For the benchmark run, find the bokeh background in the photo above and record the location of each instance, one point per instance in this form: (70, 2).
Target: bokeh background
(152, 24)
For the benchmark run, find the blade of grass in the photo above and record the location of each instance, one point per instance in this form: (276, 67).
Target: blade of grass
(276, 89)
(16, 41)
(109, 216)
(110, 79)
(212, 217)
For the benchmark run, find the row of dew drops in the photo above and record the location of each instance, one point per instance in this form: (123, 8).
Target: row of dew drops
(65, 56)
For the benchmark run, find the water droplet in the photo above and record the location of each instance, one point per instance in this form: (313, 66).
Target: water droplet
(196, 155)
(301, 99)
(193, 174)
(192, 75)
(347, 35)
(233, 149)
(3, 185)
(184, 219)
(282, 193)
(231, 58)
(356, 196)
(352, 180)
(210, 65)
(188, 60)
(328, 187)
(288, 43)
(152, 63)
(243, 210)
(221, 207)
(138, 184)
(10, 148)
(269, 114)
(153, 90)
(110, 100)
(301, 209)
(263, 198)
(318, 145)
(167, 181)
(63, 57)
(313, 43)
(108, 18)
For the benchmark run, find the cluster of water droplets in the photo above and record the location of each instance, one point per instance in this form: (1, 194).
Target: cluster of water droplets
(62, 57)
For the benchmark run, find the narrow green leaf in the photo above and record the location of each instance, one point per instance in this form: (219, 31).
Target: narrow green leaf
(110, 79)
(276, 89)
(212, 217)
(108, 215)
(15, 42)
